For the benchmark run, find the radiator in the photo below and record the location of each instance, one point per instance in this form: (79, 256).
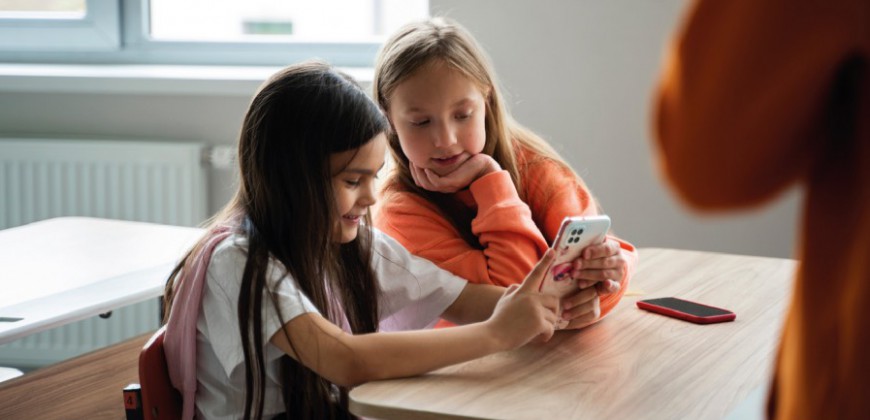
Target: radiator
(140, 181)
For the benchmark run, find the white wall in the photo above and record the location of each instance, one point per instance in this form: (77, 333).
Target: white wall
(579, 72)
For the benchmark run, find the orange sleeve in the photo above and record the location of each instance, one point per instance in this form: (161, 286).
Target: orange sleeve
(739, 102)
(511, 242)
(505, 226)
(554, 194)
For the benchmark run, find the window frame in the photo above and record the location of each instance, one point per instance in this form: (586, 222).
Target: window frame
(133, 45)
(98, 30)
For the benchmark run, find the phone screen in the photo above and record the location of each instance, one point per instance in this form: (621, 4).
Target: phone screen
(688, 307)
(686, 310)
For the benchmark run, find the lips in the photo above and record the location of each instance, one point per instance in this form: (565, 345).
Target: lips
(351, 218)
(447, 161)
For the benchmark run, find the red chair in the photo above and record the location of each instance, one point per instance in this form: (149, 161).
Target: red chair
(160, 401)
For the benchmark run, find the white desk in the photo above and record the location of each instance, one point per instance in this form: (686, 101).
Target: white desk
(62, 270)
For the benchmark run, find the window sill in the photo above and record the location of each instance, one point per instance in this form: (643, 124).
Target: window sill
(143, 79)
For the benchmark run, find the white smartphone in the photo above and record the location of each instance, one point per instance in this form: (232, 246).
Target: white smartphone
(575, 234)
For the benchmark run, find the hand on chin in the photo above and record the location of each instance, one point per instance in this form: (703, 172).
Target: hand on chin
(452, 179)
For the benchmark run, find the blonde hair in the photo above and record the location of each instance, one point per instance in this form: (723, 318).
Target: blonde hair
(441, 39)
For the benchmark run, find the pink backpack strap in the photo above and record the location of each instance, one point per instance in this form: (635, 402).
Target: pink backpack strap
(180, 339)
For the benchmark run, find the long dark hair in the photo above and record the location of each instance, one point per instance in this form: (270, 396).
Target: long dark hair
(285, 207)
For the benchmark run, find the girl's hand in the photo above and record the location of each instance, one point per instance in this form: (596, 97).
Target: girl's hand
(523, 313)
(580, 309)
(467, 172)
(601, 265)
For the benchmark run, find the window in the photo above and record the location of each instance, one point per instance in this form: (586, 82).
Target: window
(52, 25)
(226, 32)
(271, 20)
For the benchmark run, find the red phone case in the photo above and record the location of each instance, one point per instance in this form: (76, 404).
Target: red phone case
(676, 313)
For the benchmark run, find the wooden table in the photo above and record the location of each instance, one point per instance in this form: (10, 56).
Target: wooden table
(87, 387)
(62, 270)
(631, 365)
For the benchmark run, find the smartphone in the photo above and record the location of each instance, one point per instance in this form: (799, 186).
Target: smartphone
(575, 234)
(686, 310)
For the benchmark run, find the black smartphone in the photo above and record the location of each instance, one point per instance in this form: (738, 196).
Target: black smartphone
(687, 310)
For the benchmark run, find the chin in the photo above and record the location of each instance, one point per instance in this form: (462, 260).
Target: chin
(349, 236)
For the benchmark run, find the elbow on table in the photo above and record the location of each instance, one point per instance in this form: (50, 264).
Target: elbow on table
(352, 368)
(351, 377)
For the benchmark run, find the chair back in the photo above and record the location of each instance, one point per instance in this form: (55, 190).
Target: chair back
(160, 400)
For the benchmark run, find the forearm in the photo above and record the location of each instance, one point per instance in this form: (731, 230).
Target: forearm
(512, 242)
(408, 353)
(474, 304)
(519, 315)
(346, 359)
(511, 318)
(425, 232)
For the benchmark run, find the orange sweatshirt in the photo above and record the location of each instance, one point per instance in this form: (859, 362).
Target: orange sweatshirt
(760, 95)
(513, 234)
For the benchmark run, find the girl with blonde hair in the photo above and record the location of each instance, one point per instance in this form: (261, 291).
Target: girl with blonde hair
(473, 190)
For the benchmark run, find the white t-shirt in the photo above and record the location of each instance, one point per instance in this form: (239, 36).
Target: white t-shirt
(414, 293)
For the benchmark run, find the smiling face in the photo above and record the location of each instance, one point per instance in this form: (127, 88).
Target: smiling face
(439, 116)
(353, 182)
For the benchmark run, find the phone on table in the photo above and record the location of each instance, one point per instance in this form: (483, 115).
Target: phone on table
(575, 234)
(687, 310)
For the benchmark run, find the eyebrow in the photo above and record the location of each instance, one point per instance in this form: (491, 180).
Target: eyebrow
(363, 171)
(462, 101)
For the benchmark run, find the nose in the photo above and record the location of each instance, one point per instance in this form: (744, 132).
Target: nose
(369, 194)
(444, 136)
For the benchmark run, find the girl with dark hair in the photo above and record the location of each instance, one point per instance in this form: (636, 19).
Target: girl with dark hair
(291, 297)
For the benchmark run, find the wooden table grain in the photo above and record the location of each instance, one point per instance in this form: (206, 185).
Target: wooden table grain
(631, 365)
(86, 387)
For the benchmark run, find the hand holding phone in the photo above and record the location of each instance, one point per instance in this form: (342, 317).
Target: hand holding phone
(687, 310)
(575, 234)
